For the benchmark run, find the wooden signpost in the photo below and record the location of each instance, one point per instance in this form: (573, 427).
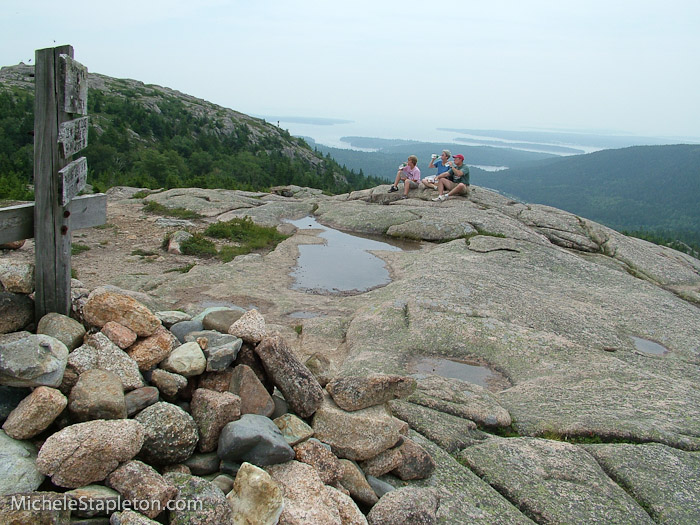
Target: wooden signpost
(61, 86)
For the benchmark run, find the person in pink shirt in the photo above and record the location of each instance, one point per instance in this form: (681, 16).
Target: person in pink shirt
(409, 174)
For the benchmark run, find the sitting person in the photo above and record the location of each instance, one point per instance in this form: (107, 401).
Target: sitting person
(455, 180)
(442, 164)
(409, 174)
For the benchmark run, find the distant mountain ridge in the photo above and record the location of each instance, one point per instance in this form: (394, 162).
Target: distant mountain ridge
(152, 136)
(641, 188)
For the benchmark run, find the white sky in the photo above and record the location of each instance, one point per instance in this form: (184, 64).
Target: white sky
(605, 65)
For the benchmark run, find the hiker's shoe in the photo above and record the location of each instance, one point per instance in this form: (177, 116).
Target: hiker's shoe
(404, 197)
(393, 189)
(440, 198)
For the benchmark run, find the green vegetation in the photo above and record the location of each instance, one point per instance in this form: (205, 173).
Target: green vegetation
(181, 269)
(77, 248)
(143, 136)
(198, 245)
(180, 213)
(651, 191)
(244, 234)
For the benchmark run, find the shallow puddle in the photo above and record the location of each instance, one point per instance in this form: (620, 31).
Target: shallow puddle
(301, 314)
(648, 347)
(342, 265)
(475, 373)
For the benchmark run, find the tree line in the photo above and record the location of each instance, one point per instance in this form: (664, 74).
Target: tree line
(167, 145)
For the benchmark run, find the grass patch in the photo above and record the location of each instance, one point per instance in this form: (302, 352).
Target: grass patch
(143, 253)
(179, 213)
(181, 269)
(199, 246)
(246, 236)
(77, 248)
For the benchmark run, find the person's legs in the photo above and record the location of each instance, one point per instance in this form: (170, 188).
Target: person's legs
(395, 186)
(459, 189)
(408, 184)
(444, 185)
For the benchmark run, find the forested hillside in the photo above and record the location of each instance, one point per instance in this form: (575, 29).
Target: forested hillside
(650, 190)
(389, 153)
(150, 136)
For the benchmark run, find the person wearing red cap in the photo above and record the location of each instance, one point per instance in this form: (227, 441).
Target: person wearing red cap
(455, 180)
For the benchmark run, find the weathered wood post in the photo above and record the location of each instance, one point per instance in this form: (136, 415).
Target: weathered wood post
(61, 86)
(60, 91)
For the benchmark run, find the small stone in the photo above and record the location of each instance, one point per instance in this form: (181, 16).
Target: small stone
(355, 393)
(293, 429)
(141, 484)
(67, 330)
(35, 413)
(254, 439)
(254, 397)
(313, 453)
(19, 472)
(138, 399)
(187, 360)
(98, 394)
(168, 384)
(119, 334)
(405, 505)
(255, 497)
(250, 327)
(212, 411)
(150, 351)
(170, 434)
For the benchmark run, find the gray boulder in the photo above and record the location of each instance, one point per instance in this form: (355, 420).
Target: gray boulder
(66, 329)
(255, 439)
(298, 385)
(32, 360)
(208, 505)
(87, 452)
(98, 394)
(355, 393)
(170, 434)
(16, 312)
(406, 505)
(18, 470)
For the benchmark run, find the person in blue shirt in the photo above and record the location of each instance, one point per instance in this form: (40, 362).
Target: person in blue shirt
(455, 180)
(442, 164)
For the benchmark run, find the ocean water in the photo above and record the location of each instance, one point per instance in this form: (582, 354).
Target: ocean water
(330, 132)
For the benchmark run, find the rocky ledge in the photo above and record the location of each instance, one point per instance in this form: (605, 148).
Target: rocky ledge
(591, 413)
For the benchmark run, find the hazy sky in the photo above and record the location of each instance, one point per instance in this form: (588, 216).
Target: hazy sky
(613, 65)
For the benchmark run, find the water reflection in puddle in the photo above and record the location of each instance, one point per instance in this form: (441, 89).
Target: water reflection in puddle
(648, 347)
(342, 264)
(477, 374)
(301, 314)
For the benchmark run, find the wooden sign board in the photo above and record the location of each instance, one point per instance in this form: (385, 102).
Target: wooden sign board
(71, 180)
(73, 76)
(73, 136)
(86, 211)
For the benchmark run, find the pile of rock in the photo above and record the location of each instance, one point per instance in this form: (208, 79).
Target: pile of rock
(142, 417)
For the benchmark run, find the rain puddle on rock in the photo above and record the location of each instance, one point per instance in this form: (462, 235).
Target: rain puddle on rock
(301, 314)
(648, 347)
(342, 265)
(478, 374)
